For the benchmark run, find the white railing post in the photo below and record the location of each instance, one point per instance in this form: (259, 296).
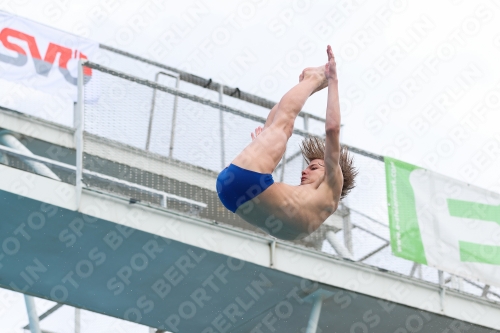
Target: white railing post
(174, 113)
(79, 127)
(221, 122)
(174, 119)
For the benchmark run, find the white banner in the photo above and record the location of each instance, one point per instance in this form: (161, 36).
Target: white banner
(41, 57)
(444, 223)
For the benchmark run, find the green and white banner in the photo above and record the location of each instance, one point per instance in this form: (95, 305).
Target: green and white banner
(444, 223)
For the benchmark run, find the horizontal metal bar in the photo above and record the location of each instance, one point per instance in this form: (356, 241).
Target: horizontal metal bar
(207, 84)
(145, 188)
(95, 174)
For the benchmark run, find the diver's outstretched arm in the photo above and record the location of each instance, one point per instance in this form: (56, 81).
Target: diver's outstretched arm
(332, 124)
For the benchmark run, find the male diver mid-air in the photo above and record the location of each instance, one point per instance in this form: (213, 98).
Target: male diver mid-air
(246, 187)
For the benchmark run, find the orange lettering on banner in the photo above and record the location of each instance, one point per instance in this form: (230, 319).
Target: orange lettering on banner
(42, 65)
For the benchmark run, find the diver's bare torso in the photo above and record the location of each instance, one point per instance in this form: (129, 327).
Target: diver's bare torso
(290, 212)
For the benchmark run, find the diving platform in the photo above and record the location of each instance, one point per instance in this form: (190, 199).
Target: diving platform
(184, 265)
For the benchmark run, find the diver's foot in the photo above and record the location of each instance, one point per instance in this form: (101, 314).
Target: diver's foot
(317, 74)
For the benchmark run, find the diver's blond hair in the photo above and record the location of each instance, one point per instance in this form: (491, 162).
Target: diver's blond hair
(313, 148)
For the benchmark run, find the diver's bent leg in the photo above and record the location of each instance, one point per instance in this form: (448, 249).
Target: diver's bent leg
(270, 117)
(307, 74)
(312, 80)
(264, 152)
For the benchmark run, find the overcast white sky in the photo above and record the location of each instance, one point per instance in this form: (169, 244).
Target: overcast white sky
(419, 80)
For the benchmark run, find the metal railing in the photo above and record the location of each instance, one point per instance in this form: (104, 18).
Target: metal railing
(232, 92)
(206, 83)
(174, 115)
(42, 162)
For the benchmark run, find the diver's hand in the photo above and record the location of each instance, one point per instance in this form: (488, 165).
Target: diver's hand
(258, 130)
(331, 66)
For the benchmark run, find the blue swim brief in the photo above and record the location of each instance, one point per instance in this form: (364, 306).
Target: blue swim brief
(236, 185)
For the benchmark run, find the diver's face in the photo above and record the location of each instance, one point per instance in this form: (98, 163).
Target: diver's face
(314, 172)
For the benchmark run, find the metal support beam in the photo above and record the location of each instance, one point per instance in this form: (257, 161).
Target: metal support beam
(337, 245)
(32, 316)
(317, 299)
(414, 268)
(46, 314)
(77, 320)
(377, 250)
(9, 140)
(312, 325)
